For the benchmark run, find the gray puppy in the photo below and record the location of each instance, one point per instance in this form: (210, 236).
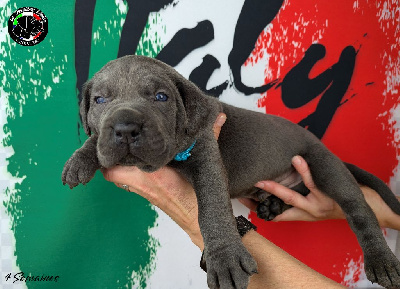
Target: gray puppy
(140, 112)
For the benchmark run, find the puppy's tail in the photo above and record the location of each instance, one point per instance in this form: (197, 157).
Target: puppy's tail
(375, 183)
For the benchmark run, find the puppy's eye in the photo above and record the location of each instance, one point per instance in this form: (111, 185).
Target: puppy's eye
(100, 99)
(161, 97)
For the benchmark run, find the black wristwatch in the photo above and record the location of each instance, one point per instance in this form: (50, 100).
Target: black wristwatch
(243, 226)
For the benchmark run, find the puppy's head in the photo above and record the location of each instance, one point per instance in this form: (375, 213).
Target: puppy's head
(143, 112)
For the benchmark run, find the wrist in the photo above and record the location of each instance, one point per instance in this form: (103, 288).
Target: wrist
(192, 228)
(190, 225)
(196, 238)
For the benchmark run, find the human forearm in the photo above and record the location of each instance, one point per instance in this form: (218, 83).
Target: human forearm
(277, 269)
(386, 217)
(393, 220)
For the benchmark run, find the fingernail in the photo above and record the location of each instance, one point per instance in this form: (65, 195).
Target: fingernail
(260, 185)
(296, 160)
(221, 120)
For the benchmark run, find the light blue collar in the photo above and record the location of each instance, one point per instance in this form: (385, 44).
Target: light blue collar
(183, 156)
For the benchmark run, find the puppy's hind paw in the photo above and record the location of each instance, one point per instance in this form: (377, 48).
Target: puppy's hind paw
(384, 271)
(270, 208)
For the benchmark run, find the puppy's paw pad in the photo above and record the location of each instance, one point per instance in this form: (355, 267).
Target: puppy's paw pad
(263, 212)
(270, 208)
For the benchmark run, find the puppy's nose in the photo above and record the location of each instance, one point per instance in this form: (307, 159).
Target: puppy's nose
(127, 132)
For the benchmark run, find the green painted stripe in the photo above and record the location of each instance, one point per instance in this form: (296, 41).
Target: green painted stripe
(16, 18)
(94, 236)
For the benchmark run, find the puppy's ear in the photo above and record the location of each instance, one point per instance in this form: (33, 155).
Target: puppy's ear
(84, 106)
(200, 109)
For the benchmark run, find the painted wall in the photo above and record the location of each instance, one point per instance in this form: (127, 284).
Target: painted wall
(332, 66)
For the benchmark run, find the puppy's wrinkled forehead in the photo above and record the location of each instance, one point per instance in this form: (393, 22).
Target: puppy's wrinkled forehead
(133, 74)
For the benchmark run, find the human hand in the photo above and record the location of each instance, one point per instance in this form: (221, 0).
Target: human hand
(316, 205)
(313, 207)
(165, 189)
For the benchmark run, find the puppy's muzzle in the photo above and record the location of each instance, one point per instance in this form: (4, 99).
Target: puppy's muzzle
(127, 133)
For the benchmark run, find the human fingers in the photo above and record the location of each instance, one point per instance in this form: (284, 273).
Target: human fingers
(122, 174)
(219, 122)
(313, 207)
(295, 214)
(302, 168)
(319, 205)
(292, 214)
(287, 195)
(130, 179)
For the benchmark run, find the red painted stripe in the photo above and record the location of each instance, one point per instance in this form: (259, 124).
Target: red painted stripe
(361, 131)
(37, 17)
(37, 35)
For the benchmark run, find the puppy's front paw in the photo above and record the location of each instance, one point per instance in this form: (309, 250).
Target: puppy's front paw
(79, 169)
(229, 267)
